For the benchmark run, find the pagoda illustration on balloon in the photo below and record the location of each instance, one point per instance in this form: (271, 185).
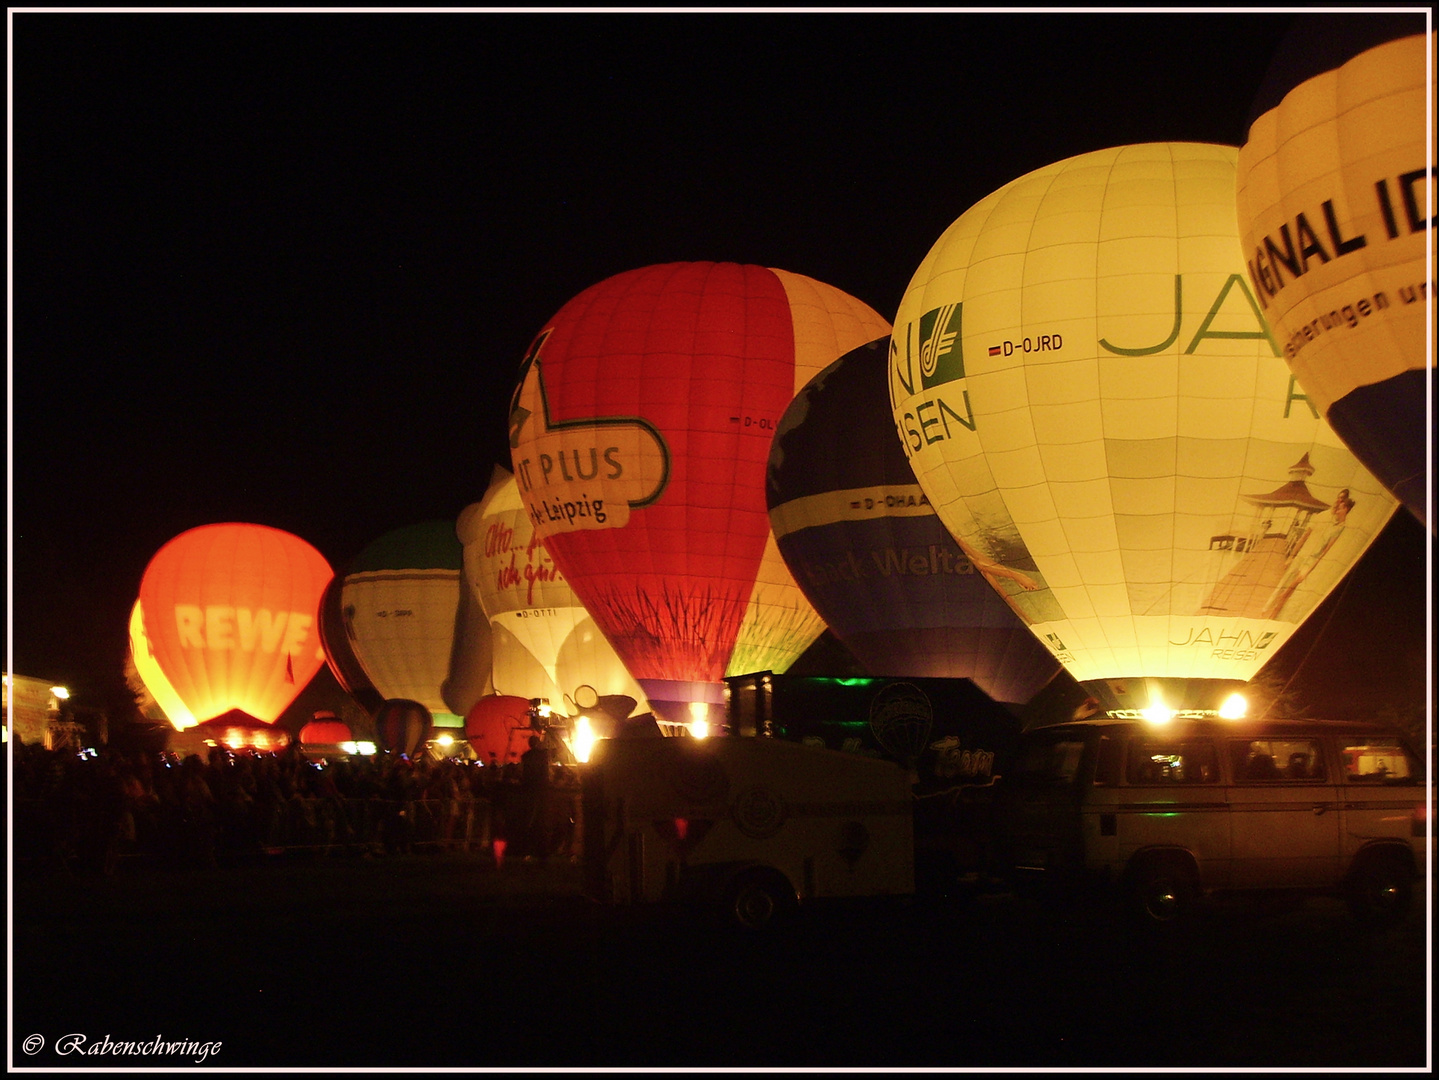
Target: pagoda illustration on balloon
(1280, 549)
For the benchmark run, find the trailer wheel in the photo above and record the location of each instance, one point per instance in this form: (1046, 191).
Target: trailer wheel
(758, 899)
(1160, 892)
(1380, 889)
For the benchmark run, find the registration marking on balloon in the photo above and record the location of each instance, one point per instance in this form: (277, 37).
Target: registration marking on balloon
(582, 474)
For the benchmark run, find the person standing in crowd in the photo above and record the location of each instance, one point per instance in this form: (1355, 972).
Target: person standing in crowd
(534, 787)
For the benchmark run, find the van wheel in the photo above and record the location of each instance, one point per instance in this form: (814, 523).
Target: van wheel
(1380, 889)
(757, 900)
(1161, 893)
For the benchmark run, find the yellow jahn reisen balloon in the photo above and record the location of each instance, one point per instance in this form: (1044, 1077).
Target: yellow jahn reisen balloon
(1090, 398)
(1335, 202)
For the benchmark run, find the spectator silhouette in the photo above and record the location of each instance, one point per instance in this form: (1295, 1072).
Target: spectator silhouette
(534, 786)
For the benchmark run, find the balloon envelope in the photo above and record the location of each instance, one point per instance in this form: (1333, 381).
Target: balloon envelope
(339, 653)
(402, 726)
(639, 432)
(1332, 191)
(154, 679)
(498, 728)
(401, 606)
(862, 540)
(325, 733)
(545, 644)
(471, 657)
(230, 615)
(1093, 403)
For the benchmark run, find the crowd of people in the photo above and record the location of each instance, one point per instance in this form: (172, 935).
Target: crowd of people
(93, 809)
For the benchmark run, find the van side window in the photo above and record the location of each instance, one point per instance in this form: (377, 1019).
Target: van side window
(1048, 758)
(1188, 761)
(1106, 768)
(1267, 760)
(1377, 760)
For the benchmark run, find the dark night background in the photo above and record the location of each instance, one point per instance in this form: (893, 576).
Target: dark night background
(282, 268)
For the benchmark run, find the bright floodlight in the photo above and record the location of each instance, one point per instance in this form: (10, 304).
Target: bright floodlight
(1234, 707)
(699, 726)
(1158, 712)
(60, 692)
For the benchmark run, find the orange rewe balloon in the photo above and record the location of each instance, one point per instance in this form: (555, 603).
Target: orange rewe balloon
(151, 675)
(230, 611)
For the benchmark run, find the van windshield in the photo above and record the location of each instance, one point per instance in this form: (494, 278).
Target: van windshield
(1049, 758)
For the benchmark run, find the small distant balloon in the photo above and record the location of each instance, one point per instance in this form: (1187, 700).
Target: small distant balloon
(498, 728)
(402, 726)
(325, 730)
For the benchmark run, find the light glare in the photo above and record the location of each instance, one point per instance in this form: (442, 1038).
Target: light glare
(1158, 712)
(699, 726)
(583, 741)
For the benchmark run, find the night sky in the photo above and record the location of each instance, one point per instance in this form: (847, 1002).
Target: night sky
(282, 268)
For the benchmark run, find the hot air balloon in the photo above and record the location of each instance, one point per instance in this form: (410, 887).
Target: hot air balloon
(863, 542)
(640, 429)
(544, 642)
(1335, 203)
(339, 654)
(498, 728)
(401, 603)
(471, 658)
(154, 679)
(402, 726)
(229, 611)
(1098, 412)
(326, 734)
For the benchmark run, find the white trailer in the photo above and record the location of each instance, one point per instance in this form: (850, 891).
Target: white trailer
(754, 824)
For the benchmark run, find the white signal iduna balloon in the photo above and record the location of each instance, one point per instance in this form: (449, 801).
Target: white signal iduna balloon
(1335, 202)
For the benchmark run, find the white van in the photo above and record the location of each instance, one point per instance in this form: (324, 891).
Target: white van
(1170, 812)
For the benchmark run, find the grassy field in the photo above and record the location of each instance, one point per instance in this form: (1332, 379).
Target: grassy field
(444, 961)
